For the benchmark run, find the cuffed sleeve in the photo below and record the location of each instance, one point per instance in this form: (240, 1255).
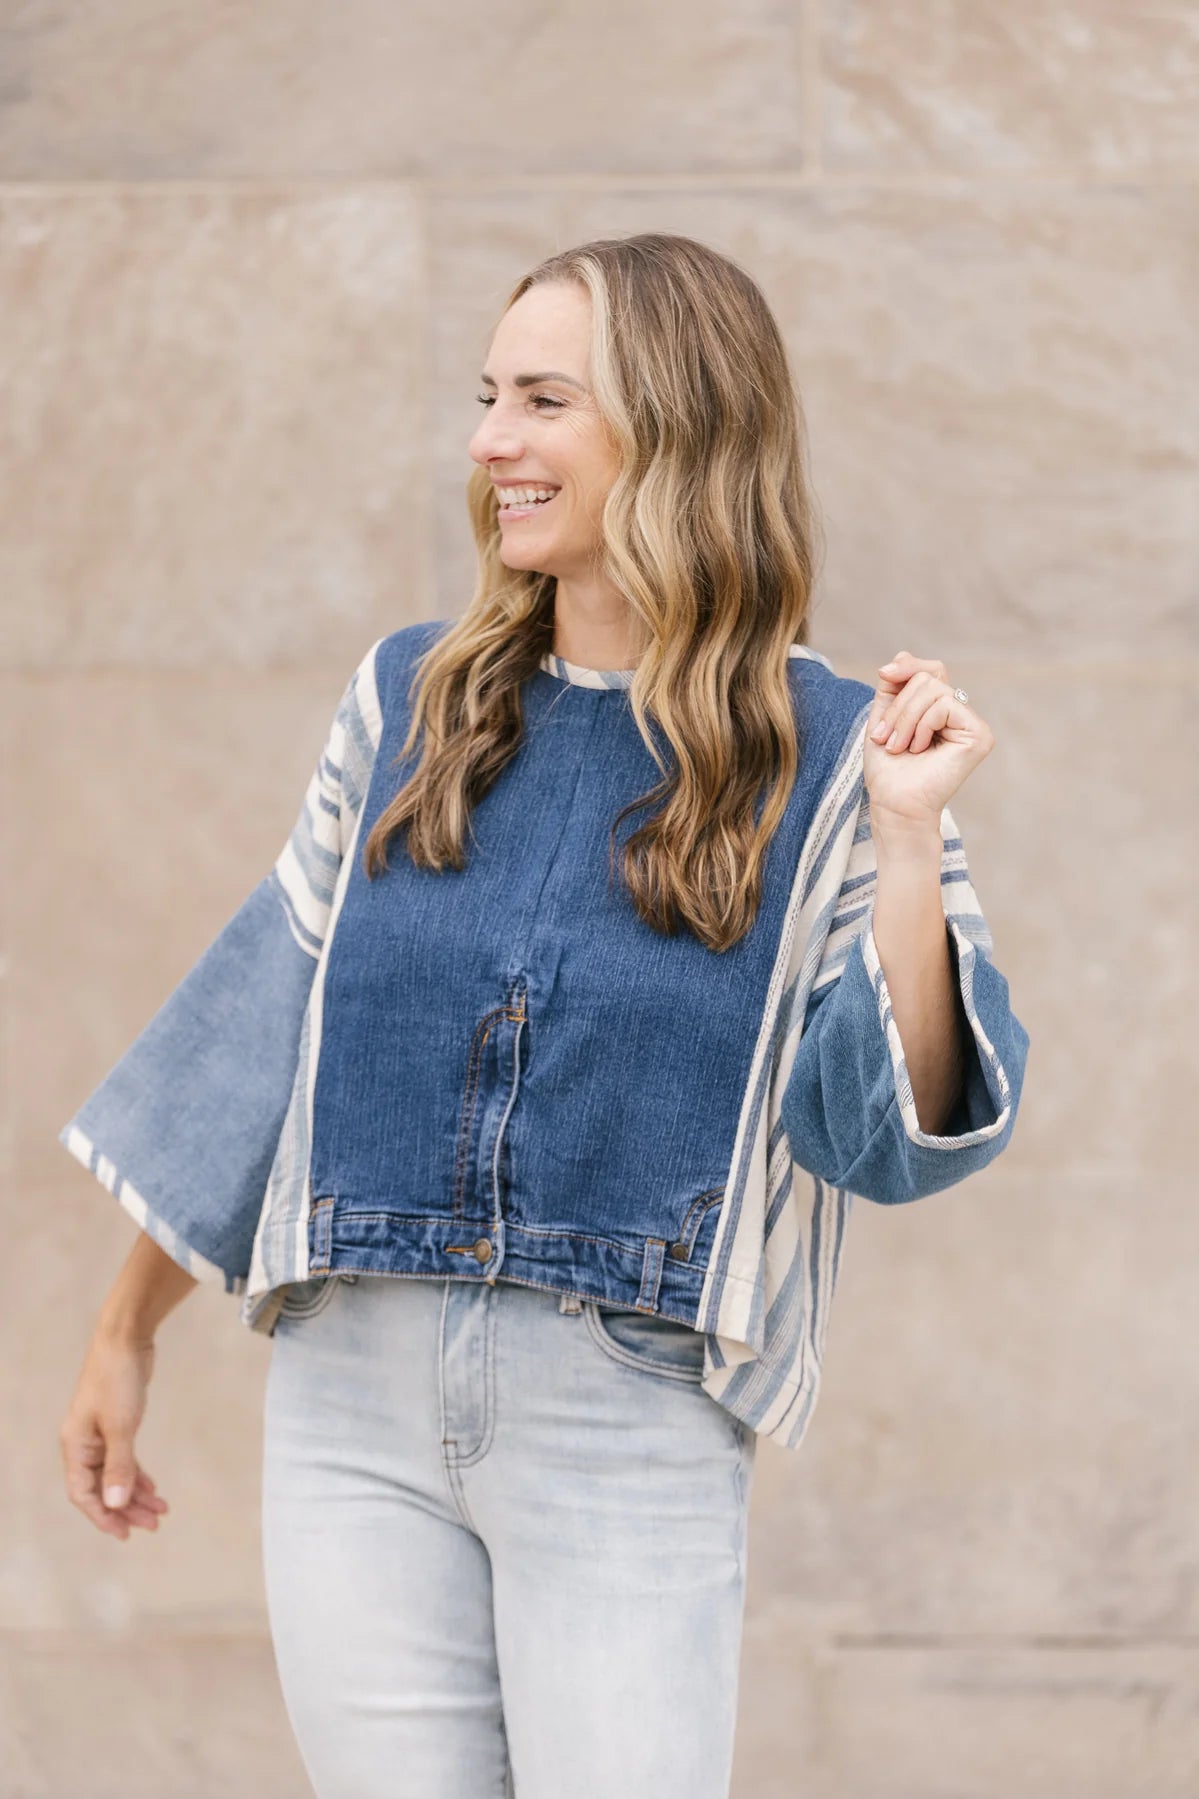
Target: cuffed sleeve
(848, 1107)
(183, 1129)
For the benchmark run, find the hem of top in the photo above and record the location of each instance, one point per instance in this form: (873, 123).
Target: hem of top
(642, 1274)
(88, 1154)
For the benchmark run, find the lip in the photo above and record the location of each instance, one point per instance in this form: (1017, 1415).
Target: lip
(511, 515)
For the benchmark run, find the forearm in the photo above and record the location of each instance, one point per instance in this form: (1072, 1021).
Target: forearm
(913, 947)
(149, 1286)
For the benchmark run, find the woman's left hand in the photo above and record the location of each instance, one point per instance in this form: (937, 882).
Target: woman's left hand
(937, 741)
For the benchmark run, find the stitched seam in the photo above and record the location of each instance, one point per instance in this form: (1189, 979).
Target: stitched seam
(518, 1229)
(474, 1062)
(632, 1359)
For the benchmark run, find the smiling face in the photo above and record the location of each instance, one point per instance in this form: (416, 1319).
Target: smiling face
(542, 432)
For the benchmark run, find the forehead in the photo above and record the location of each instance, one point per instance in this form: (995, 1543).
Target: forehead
(548, 327)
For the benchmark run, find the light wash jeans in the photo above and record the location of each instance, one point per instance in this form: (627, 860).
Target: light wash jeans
(504, 1542)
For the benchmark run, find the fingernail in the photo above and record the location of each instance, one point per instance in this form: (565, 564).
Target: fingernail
(880, 729)
(115, 1497)
(886, 667)
(893, 740)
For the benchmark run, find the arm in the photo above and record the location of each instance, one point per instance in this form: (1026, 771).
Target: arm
(848, 1107)
(920, 971)
(97, 1436)
(149, 1285)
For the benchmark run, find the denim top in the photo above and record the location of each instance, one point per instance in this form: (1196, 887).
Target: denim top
(503, 1073)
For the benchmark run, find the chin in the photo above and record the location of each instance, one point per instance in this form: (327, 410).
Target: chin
(537, 565)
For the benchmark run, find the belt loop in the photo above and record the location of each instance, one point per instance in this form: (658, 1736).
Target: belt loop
(570, 1303)
(320, 1222)
(651, 1274)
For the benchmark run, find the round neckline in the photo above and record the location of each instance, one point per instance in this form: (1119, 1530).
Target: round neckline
(578, 676)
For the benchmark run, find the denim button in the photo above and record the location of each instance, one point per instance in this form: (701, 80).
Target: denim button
(483, 1250)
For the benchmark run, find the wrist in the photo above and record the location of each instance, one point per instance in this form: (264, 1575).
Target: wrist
(126, 1328)
(912, 841)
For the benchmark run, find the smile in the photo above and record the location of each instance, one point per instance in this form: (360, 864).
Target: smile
(521, 507)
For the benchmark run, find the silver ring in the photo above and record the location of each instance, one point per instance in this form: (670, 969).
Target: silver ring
(961, 696)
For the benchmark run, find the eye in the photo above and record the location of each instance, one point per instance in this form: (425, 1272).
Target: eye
(538, 400)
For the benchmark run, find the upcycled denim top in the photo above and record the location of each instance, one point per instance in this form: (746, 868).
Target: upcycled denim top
(502, 1073)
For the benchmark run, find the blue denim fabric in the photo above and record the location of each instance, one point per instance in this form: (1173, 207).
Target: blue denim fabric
(518, 1079)
(504, 1542)
(841, 1105)
(183, 1128)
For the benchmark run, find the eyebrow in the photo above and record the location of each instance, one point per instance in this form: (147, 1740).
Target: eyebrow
(531, 380)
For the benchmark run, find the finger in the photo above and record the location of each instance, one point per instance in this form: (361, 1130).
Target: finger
(883, 698)
(116, 1521)
(905, 661)
(936, 710)
(929, 723)
(113, 1524)
(901, 714)
(83, 1458)
(889, 698)
(144, 1494)
(140, 1515)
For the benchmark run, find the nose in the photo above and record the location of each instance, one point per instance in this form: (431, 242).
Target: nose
(496, 439)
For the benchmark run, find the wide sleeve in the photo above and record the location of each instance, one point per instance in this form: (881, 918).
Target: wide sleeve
(847, 1106)
(183, 1129)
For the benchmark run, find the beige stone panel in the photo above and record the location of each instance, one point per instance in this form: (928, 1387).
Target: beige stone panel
(1002, 1449)
(1001, 391)
(131, 90)
(151, 805)
(9, 749)
(211, 448)
(199, 1570)
(964, 1720)
(148, 1718)
(1010, 85)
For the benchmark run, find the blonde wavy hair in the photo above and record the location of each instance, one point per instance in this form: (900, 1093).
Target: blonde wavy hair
(708, 532)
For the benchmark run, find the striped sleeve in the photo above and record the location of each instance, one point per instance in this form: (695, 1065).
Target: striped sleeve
(182, 1130)
(848, 1107)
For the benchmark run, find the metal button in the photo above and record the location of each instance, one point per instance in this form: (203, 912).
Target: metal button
(483, 1250)
(678, 1252)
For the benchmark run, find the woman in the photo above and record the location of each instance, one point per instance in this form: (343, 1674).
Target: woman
(593, 1062)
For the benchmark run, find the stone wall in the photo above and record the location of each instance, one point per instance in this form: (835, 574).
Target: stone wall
(249, 259)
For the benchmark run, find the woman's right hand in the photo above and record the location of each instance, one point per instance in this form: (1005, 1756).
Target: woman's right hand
(98, 1432)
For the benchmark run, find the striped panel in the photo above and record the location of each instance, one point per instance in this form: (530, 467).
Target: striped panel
(776, 1258)
(307, 868)
(318, 856)
(967, 955)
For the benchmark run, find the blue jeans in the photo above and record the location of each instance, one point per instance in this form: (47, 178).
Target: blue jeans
(504, 1544)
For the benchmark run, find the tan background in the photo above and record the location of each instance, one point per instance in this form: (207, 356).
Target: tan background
(249, 257)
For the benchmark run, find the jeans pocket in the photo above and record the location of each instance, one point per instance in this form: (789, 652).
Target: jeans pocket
(643, 1340)
(304, 1299)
